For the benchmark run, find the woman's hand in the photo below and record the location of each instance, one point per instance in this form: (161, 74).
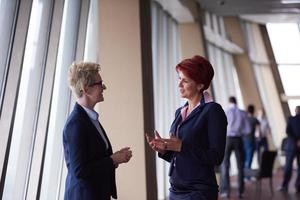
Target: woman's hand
(173, 144)
(121, 156)
(161, 145)
(157, 143)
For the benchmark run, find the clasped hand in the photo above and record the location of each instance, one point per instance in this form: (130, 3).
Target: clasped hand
(161, 145)
(121, 156)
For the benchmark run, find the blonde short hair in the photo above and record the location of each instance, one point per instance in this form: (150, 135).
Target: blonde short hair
(82, 74)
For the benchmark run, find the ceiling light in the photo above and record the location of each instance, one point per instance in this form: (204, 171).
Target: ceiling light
(289, 1)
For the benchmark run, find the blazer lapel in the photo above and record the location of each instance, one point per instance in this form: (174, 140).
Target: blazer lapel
(92, 126)
(175, 123)
(104, 133)
(196, 110)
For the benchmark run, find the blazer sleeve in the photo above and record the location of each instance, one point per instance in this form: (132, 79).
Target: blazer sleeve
(76, 141)
(289, 130)
(167, 156)
(292, 125)
(216, 127)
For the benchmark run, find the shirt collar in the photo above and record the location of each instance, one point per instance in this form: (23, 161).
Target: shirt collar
(91, 113)
(232, 105)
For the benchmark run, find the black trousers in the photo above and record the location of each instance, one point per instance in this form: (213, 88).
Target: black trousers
(290, 156)
(232, 144)
(196, 195)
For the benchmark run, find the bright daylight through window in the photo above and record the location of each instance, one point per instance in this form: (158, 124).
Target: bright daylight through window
(287, 56)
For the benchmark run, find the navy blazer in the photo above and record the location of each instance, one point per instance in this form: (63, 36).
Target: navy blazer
(203, 135)
(293, 132)
(91, 172)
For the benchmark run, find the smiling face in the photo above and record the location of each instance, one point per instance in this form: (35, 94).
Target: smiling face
(188, 88)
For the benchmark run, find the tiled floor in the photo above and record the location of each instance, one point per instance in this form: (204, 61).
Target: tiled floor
(251, 192)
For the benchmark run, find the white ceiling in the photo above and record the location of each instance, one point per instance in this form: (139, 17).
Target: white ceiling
(261, 11)
(237, 7)
(177, 10)
(272, 18)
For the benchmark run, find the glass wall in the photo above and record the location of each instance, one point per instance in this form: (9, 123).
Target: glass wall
(24, 129)
(7, 18)
(220, 52)
(264, 77)
(165, 51)
(42, 38)
(286, 53)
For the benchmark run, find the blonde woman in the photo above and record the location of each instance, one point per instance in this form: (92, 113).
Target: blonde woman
(88, 153)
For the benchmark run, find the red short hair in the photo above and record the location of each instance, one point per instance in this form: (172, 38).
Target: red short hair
(198, 69)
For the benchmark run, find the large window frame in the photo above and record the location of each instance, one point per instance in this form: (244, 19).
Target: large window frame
(42, 39)
(286, 53)
(165, 53)
(220, 53)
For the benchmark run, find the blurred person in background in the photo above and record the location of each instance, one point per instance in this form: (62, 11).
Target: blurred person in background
(261, 135)
(249, 138)
(236, 129)
(292, 151)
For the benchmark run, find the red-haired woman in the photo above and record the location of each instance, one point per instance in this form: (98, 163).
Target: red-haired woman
(197, 136)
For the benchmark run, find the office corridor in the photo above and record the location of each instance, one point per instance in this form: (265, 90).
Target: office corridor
(252, 194)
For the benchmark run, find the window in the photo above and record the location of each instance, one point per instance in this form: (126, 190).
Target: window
(24, 129)
(36, 49)
(7, 10)
(165, 53)
(286, 53)
(220, 51)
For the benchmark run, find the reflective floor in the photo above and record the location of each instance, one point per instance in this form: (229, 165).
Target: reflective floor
(252, 192)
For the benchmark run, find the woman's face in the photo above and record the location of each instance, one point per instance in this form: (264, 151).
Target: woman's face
(95, 91)
(188, 88)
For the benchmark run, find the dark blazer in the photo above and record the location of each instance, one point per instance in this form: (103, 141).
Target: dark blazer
(91, 172)
(203, 135)
(293, 132)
